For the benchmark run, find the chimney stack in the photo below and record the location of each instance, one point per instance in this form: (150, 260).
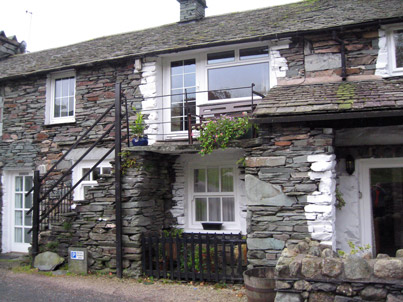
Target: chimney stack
(10, 46)
(192, 10)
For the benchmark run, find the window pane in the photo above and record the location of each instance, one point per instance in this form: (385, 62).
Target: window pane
(28, 201)
(18, 235)
(253, 53)
(213, 180)
(58, 88)
(95, 173)
(18, 183)
(176, 82)
(228, 209)
(72, 86)
(176, 124)
(18, 218)
(64, 106)
(27, 237)
(65, 87)
(85, 170)
(237, 76)
(190, 66)
(200, 180)
(190, 80)
(201, 209)
(177, 67)
(214, 209)
(106, 170)
(28, 219)
(86, 188)
(227, 180)
(71, 106)
(57, 108)
(28, 183)
(220, 57)
(18, 200)
(399, 48)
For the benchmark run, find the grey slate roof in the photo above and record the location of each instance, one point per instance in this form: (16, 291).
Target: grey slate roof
(332, 98)
(235, 27)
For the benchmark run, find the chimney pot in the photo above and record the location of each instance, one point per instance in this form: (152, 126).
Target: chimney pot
(192, 10)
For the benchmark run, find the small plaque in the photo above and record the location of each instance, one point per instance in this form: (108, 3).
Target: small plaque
(77, 255)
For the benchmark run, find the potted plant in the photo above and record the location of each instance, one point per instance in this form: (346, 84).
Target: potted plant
(140, 139)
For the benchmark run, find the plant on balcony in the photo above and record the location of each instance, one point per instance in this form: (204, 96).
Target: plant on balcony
(137, 130)
(217, 133)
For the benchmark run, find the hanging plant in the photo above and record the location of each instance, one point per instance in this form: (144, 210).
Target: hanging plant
(217, 133)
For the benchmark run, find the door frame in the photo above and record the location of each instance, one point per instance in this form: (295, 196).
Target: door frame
(8, 183)
(366, 213)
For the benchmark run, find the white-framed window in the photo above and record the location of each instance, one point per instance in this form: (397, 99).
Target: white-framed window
(91, 180)
(60, 97)
(1, 115)
(213, 196)
(217, 69)
(395, 49)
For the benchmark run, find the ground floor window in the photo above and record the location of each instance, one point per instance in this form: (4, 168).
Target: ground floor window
(213, 196)
(91, 179)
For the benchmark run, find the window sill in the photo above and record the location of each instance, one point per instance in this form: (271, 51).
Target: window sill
(201, 231)
(61, 122)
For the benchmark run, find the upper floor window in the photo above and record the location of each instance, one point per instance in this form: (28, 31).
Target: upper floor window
(60, 100)
(199, 78)
(235, 69)
(397, 49)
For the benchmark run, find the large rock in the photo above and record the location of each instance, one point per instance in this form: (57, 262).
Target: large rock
(356, 268)
(287, 297)
(373, 294)
(388, 268)
(47, 261)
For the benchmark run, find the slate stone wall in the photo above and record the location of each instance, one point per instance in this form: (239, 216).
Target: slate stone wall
(287, 198)
(28, 143)
(146, 202)
(317, 58)
(310, 272)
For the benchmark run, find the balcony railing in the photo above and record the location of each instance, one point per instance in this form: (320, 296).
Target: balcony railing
(187, 117)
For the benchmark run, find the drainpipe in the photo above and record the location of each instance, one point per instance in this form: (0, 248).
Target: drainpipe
(343, 56)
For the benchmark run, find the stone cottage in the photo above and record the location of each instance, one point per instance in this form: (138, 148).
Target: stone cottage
(327, 162)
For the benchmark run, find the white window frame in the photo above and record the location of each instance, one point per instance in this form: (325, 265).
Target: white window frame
(1, 115)
(190, 213)
(50, 98)
(393, 70)
(202, 68)
(78, 174)
(366, 216)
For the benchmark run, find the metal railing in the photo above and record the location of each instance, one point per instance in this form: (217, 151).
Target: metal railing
(195, 256)
(53, 197)
(189, 118)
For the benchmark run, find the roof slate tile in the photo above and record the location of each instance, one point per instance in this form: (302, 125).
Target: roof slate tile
(230, 28)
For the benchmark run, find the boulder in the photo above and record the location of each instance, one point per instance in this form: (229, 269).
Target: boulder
(47, 261)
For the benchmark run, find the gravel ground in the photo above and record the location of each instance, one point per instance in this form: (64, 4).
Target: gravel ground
(26, 287)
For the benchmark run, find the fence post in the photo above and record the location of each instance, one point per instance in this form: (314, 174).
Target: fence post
(35, 216)
(118, 193)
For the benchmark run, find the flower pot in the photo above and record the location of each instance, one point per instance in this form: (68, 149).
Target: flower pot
(212, 225)
(142, 141)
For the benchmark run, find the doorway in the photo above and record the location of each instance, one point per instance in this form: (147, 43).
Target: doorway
(16, 222)
(382, 204)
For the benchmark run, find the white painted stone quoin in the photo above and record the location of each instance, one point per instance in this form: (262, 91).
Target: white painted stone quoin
(320, 211)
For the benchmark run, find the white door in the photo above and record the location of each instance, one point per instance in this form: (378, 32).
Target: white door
(382, 204)
(17, 223)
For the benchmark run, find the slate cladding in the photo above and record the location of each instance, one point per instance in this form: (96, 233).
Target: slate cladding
(332, 97)
(272, 22)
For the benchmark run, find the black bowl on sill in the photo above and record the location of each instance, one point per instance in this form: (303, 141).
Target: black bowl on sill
(212, 225)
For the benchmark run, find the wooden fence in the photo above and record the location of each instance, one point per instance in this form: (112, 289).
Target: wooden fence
(195, 256)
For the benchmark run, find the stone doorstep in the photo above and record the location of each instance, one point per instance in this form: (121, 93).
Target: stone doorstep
(11, 260)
